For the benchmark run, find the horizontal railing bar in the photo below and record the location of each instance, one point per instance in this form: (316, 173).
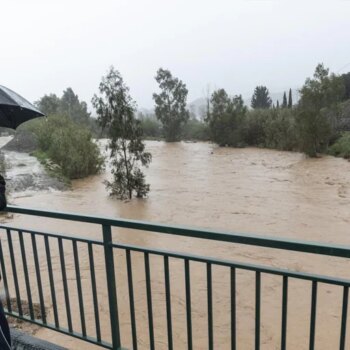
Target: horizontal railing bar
(262, 241)
(239, 265)
(54, 235)
(60, 330)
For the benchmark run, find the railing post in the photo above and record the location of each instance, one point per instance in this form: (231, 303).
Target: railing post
(111, 285)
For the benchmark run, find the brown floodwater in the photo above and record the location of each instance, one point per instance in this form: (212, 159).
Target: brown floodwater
(250, 190)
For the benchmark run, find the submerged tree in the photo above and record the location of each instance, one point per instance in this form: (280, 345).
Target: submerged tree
(261, 98)
(170, 103)
(116, 113)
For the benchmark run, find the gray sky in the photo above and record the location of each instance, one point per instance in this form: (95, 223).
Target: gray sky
(48, 45)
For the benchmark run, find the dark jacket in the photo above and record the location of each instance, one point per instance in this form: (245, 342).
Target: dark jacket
(3, 201)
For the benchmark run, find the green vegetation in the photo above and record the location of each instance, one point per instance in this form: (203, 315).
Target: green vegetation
(226, 118)
(116, 113)
(70, 106)
(341, 148)
(170, 106)
(261, 98)
(310, 126)
(65, 148)
(290, 99)
(316, 117)
(151, 126)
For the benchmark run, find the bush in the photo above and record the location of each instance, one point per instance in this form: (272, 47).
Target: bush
(194, 129)
(68, 145)
(152, 128)
(341, 148)
(254, 127)
(271, 128)
(280, 131)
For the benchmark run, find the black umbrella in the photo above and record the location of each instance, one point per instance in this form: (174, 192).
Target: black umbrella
(14, 109)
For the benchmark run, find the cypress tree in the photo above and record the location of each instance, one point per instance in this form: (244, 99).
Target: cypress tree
(261, 98)
(284, 103)
(290, 100)
(278, 104)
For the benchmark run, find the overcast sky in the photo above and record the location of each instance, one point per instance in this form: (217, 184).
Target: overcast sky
(48, 45)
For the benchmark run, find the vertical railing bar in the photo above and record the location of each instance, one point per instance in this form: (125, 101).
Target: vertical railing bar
(14, 272)
(233, 308)
(131, 299)
(112, 286)
(4, 277)
(313, 315)
(94, 292)
(344, 318)
(284, 313)
(65, 284)
(52, 281)
(188, 304)
(79, 289)
(210, 308)
(149, 301)
(38, 277)
(168, 302)
(257, 309)
(26, 275)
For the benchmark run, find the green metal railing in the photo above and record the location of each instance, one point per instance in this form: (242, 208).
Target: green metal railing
(39, 261)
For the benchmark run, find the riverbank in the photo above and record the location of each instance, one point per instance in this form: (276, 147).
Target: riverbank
(24, 174)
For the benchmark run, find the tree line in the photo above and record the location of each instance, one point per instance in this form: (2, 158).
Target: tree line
(314, 124)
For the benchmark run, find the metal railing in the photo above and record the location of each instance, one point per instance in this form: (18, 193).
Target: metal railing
(24, 262)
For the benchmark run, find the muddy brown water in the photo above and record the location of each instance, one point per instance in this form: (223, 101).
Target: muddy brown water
(251, 190)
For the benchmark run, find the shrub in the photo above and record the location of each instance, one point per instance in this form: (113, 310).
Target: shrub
(196, 130)
(280, 131)
(68, 145)
(341, 148)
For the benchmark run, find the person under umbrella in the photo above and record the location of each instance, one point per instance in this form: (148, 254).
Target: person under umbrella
(14, 110)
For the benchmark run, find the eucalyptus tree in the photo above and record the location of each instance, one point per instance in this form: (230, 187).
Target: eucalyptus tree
(170, 104)
(116, 113)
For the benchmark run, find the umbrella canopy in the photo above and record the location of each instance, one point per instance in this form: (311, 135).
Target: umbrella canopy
(14, 109)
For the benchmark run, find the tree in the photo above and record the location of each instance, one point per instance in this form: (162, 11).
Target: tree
(290, 99)
(278, 104)
(261, 98)
(70, 105)
(225, 118)
(346, 79)
(318, 97)
(116, 112)
(49, 104)
(170, 104)
(284, 102)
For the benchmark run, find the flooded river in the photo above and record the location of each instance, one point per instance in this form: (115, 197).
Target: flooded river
(249, 190)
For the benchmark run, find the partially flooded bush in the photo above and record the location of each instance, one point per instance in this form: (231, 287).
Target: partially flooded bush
(341, 148)
(271, 128)
(68, 145)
